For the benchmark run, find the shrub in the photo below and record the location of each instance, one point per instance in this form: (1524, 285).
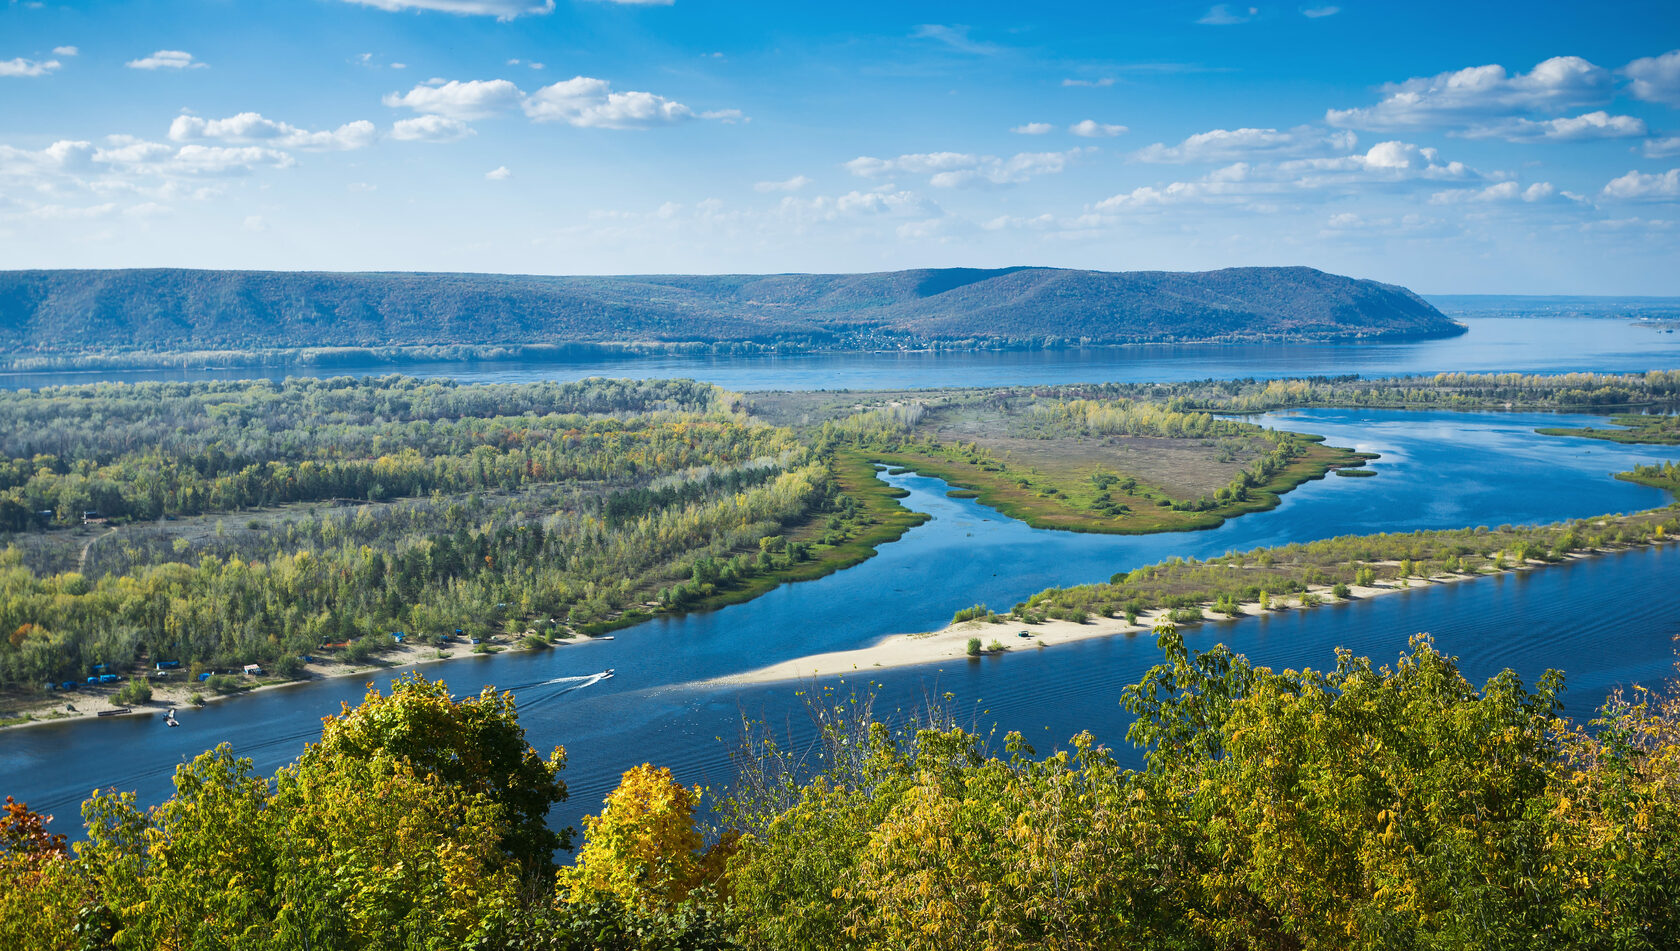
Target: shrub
(138, 690)
(970, 614)
(974, 647)
(1341, 591)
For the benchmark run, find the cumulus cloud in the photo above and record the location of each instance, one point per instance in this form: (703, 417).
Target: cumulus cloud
(1479, 93)
(580, 101)
(1032, 128)
(65, 51)
(498, 174)
(1387, 165)
(166, 59)
(1498, 192)
(252, 127)
(473, 99)
(1092, 129)
(1655, 78)
(27, 67)
(954, 169)
(1584, 127)
(1229, 145)
(500, 9)
(1663, 186)
(787, 185)
(1225, 14)
(430, 129)
(588, 102)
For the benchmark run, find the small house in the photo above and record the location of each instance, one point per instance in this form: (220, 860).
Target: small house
(253, 670)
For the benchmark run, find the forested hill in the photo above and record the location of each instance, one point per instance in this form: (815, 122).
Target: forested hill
(71, 311)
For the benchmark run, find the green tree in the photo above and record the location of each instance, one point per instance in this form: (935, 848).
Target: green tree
(474, 744)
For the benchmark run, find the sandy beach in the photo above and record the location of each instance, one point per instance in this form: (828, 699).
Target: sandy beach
(176, 690)
(951, 643)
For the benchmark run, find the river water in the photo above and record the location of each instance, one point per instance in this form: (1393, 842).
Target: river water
(1492, 344)
(1606, 622)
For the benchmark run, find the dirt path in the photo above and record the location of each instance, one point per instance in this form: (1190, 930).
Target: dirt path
(81, 559)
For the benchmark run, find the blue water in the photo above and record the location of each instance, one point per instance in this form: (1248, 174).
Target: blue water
(1438, 470)
(1549, 345)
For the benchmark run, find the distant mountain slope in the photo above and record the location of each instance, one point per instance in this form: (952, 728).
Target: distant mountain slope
(66, 311)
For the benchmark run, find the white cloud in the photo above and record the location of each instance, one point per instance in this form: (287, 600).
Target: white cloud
(65, 51)
(588, 102)
(1638, 185)
(1224, 14)
(579, 101)
(498, 174)
(1094, 83)
(500, 9)
(1655, 78)
(1662, 148)
(1386, 165)
(1498, 192)
(1032, 128)
(27, 67)
(255, 224)
(1229, 145)
(793, 184)
(1315, 13)
(1478, 93)
(223, 160)
(252, 127)
(953, 169)
(1092, 129)
(430, 129)
(1584, 127)
(166, 59)
(474, 99)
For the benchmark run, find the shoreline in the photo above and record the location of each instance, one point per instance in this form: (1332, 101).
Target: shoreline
(178, 694)
(950, 643)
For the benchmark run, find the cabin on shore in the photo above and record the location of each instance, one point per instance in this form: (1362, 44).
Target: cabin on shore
(253, 670)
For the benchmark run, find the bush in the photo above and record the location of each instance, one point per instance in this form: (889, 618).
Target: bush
(196, 700)
(970, 614)
(138, 690)
(224, 683)
(1341, 591)
(291, 667)
(974, 647)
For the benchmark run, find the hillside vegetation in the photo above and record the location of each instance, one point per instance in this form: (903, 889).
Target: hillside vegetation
(93, 311)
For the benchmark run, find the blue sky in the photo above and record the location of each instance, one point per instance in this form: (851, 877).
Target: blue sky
(1451, 147)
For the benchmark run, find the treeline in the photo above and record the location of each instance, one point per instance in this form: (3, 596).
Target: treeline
(155, 449)
(1441, 390)
(1354, 807)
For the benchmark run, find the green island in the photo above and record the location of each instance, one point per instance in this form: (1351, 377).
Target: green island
(1661, 430)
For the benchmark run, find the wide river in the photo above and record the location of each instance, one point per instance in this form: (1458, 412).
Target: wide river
(1492, 344)
(1606, 622)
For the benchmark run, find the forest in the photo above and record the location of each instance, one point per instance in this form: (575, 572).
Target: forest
(1362, 806)
(359, 508)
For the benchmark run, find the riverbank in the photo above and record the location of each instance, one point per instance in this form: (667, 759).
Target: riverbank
(84, 703)
(950, 643)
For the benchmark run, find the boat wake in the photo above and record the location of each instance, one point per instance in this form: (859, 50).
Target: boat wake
(566, 684)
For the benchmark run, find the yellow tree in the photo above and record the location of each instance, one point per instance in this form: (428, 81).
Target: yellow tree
(643, 849)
